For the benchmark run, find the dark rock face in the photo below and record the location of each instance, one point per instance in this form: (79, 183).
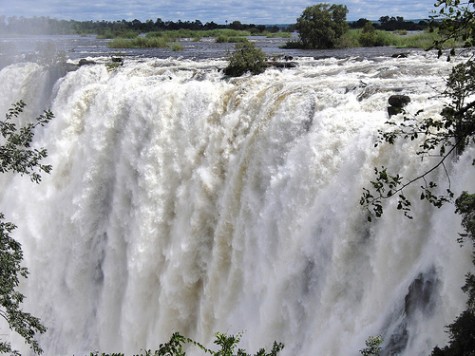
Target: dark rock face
(396, 103)
(276, 64)
(84, 62)
(398, 100)
(400, 55)
(392, 110)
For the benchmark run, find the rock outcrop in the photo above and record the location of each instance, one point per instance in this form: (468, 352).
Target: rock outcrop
(397, 103)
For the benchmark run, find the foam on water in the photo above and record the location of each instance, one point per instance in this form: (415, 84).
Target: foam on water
(183, 201)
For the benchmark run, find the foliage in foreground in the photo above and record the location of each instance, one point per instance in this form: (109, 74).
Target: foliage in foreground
(442, 138)
(17, 156)
(373, 346)
(246, 58)
(462, 330)
(227, 347)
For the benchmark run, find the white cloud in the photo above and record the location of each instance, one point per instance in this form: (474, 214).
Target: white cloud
(246, 11)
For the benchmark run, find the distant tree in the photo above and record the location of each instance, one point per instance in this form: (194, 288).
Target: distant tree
(236, 25)
(197, 25)
(136, 24)
(148, 26)
(393, 23)
(159, 24)
(321, 26)
(17, 156)
(246, 58)
(211, 25)
(360, 23)
(261, 28)
(273, 29)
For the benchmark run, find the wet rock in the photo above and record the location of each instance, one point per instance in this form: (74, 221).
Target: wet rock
(399, 100)
(84, 62)
(317, 58)
(67, 67)
(392, 110)
(400, 55)
(278, 64)
(397, 103)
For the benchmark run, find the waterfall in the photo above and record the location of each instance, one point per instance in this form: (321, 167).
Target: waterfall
(184, 201)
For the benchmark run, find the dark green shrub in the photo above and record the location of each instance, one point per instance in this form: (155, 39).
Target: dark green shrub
(369, 37)
(246, 58)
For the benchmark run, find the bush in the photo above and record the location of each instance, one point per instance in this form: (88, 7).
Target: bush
(176, 46)
(232, 39)
(369, 37)
(246, 58)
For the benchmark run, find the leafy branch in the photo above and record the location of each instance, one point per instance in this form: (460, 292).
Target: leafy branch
(17, 156)
(227, 343)
(373, 346)
(442, 138)
(456, 22)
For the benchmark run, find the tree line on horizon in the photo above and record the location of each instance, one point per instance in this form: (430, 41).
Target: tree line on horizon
(392, 23)
(51, 26)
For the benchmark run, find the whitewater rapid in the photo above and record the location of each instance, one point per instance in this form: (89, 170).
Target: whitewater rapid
(184, 201)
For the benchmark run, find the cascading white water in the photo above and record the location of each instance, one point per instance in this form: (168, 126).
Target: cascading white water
(183, 201)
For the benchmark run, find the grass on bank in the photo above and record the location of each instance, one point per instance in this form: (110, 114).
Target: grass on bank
(139, 42)
(164, 39)
(109, 34)
(143, 42)
(358, 38)
(351, 39)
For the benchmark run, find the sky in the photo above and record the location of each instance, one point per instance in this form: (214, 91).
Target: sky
(219, 11)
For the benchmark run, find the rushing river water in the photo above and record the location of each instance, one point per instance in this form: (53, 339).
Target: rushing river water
(181, 200)
(15, 48)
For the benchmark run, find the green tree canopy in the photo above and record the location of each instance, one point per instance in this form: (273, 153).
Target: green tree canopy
(321, 26)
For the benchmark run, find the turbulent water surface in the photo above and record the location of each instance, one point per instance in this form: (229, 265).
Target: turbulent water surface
(181, 200)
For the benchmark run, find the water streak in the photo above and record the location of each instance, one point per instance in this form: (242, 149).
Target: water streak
(183, 201)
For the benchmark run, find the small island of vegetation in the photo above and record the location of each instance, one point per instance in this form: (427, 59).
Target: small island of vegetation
(321, 26)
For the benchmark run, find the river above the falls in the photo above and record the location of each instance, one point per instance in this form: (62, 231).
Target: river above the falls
(15, 48)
